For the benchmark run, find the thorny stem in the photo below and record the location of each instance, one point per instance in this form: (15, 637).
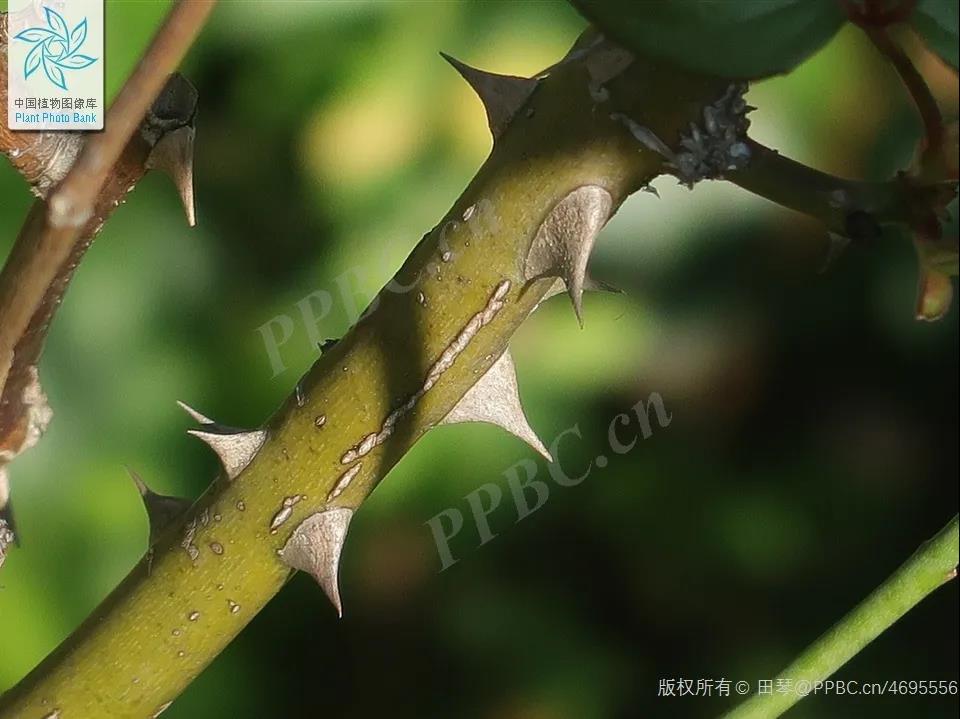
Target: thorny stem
(932, 566)
(52, 230)
(218, 566)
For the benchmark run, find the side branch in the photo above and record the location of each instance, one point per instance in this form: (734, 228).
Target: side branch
(44, 159)
(52, 229)
(851, 208)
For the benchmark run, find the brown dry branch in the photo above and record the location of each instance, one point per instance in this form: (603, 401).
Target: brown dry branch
(84, 180)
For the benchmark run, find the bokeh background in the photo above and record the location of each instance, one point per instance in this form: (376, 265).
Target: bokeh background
(813, 445)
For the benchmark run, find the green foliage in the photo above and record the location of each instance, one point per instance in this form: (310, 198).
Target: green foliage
(730, 39)
(778, 445)
(936, 21)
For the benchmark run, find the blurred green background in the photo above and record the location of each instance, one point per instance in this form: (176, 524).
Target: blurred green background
(814, 437)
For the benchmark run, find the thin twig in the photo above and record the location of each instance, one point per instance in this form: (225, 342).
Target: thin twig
(51, 234)
(917, 87)
(932, 566)
(44, 159)
(850, 208)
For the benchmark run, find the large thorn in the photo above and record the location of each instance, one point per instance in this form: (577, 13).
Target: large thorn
(162, 509)
(501, 95)
(315, 547)
(173, 156)
(170, 128)
(565, 239)
(235, 450)
(495, 399)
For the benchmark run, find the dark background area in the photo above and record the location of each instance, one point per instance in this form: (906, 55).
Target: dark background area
(813, 441)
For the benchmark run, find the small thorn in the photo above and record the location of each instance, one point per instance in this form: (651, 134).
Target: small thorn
(315, 547)
(235, 449)
(327, 345)
(173, 155)
(593, 285)
(162, 509)
(644, 135)
(590, 284)
(501, 95)
(495, 399)
(198, 417)
(565, 239)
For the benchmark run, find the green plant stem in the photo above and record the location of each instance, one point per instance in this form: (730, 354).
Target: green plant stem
(930, 567)
(177, 610)
(830, 199)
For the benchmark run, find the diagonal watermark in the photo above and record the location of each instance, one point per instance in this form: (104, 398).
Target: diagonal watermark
(527, 492)
(307, 316)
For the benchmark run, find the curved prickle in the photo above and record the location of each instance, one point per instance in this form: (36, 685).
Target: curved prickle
(315, 547)
(495, 399)
(236, 448)
(162, 509)
(170, 129)
(562, 245)
(501, 95)
(235, 451)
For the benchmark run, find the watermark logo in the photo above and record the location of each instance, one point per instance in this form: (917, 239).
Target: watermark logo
(528, 493)
(323, 304)
(55, 64)
(55, 48)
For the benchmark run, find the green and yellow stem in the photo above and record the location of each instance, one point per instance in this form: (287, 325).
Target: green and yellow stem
(215, 568)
